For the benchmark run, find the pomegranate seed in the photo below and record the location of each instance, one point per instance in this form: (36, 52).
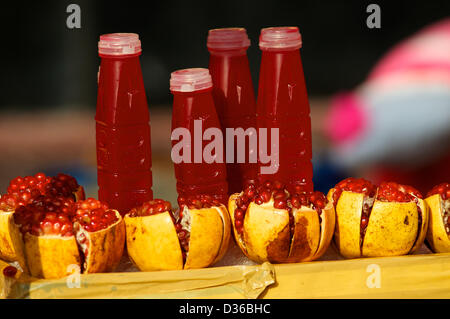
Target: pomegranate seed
(443, 189)
(249, 193)
(320, 203)
(238, 214)
(47, 227)
(50, 216)
(280, 204)
(66, 228)
(181, 234)
(364, 222)
(279, 195)
(35, 230)
(278, 185)
(268, 184)
(266, 196)
(295, 202)
(82, 238)
(9, 271)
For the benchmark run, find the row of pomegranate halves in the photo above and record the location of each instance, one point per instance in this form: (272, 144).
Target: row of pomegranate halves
(47, 226)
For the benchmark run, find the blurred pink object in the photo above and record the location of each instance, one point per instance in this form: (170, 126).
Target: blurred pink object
(422, 60)
(397, 120)
(346, 117)
(428, 50)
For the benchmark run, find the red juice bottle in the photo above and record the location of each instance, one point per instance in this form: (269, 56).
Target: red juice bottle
(234, 97)
(283, 103)
(122, 125)
(193, 114)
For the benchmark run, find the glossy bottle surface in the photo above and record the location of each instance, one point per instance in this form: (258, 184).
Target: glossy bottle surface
(198, 176)
(123, 134)
(283, 103)
(234, 99)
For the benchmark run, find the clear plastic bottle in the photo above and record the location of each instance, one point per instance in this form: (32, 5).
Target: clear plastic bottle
(122, 124)
(283, 103)
(233, 95)
(193, 101)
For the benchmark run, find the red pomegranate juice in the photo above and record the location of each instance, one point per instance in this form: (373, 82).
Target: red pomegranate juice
(193, 103)
(283, 103)
(122, 125)
(233, 95)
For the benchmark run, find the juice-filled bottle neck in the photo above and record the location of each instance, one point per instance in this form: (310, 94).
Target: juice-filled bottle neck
(119, 57)
(228, 53)
(283, 53)
(192, 93)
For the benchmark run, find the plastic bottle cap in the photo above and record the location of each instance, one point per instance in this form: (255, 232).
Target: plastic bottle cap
(227, 39)
(119, 44)
(280, 38)
(189, 80)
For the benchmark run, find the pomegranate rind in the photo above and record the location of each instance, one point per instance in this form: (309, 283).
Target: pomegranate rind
(79, 194)
(152, 242)
(305, 240)
(105, 247)
(425, 213)
(437, 237)
(327, 228)
(206, 235)
(51, 256)
(347, 234)
(239, 240)
(11, 243)
(392, 229)
(266, 235)
(226, 222)
(266, 232)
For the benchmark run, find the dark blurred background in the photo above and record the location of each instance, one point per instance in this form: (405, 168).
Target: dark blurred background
(51, 66)
(49, 72)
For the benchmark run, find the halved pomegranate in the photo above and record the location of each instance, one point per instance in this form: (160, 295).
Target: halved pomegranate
(195, 236)
(270, 224)
(64, 185)
(21, 192)
(387, 220)
(438, 235)
(59, 232)
(100, 234)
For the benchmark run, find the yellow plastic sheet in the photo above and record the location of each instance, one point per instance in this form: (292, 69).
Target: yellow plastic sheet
(219, 282)
(423, 275)
(412, 276)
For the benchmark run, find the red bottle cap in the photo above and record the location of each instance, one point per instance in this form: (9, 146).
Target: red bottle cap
(227, 39)
(280, 38)
(189, 80)
(119, 44)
